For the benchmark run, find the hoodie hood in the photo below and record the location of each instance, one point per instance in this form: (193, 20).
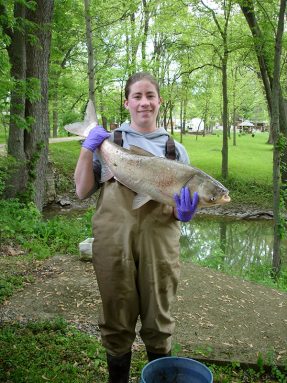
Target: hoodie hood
(153, 142)
(125, 127)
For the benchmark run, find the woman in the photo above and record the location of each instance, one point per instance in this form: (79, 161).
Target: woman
(135, 252)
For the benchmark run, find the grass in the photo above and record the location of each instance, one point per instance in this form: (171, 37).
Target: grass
(69, 356)
(249, 165)
(69, 151)
(250, 159)
(73, 356)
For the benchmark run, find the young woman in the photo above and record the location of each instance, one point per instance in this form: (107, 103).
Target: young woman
(135, 252)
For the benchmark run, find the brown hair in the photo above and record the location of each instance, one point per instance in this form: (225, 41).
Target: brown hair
(138, 77)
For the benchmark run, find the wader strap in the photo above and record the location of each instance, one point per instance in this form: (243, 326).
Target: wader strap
(170, 149)
(169, 146)
(118, 138)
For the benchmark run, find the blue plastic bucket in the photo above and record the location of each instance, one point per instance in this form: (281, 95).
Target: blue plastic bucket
(176, 370)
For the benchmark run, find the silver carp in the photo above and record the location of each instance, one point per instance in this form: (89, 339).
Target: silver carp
(151, 177)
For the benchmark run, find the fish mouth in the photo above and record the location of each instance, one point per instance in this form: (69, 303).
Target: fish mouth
(224, 199)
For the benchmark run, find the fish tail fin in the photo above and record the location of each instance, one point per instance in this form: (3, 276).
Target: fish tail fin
(90, 121)
(90, 113)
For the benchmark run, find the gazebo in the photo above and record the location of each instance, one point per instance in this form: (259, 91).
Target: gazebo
(246, 126)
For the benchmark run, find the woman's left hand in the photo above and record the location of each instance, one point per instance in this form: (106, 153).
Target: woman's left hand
(185, 205)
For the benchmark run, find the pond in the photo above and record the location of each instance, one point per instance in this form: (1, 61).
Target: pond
(229, 244)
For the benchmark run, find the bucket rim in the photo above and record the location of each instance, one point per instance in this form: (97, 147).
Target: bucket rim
(177, 357)
(183, 358)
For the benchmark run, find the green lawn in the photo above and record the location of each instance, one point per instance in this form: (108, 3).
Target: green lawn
(65, 155)
(250, 159)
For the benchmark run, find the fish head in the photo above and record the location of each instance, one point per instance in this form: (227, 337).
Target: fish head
(211, 192)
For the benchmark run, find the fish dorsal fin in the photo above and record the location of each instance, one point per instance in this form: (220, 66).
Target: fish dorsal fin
(106, 173)
(136, 150)
(140, 200)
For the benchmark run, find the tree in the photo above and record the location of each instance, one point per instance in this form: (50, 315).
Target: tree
(29, 119)
(223, 31)
(91, 64)
(275, 128)
(263, 49)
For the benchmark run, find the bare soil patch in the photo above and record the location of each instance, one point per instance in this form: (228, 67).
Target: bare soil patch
(217, 316)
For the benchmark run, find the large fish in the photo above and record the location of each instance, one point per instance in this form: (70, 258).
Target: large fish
(151, 177)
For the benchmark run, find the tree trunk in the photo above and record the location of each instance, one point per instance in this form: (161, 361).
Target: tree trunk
(55, 109)
(171, 118)
(234, 126)
(224, 168)
(266, 75)
(276, 137)
(249, 14)
(91, 61)
(145, 33)
(17, 56)
(134, 44)
(37, 137)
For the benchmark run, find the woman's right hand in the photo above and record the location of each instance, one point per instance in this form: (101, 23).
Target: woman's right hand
(95, 138)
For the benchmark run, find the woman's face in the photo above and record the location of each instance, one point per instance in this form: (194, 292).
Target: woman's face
(143, 104)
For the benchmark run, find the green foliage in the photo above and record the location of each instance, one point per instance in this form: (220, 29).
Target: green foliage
(23, 224)
(235, 373)
(279, 374)
(72, 116)
(7, 165)
(55, 352)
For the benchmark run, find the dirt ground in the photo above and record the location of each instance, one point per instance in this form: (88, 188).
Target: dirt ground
(217, 316)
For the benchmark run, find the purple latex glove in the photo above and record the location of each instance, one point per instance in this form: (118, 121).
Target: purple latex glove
(185, 205)
(96, 136)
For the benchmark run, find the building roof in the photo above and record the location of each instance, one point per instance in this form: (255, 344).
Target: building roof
(246, 123)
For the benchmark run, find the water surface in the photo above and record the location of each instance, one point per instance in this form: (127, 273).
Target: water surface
(229, 243)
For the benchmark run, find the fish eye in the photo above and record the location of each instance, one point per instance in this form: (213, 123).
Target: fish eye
(212, 199)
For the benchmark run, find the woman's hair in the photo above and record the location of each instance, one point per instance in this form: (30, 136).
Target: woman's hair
(138, 77)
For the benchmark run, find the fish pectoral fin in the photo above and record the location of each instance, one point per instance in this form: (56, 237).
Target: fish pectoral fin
(140, 200)
(136, 150)
(106, 173)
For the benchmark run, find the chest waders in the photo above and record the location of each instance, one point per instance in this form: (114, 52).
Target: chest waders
(136, 261)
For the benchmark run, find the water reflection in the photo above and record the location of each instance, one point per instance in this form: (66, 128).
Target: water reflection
(229, 244)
